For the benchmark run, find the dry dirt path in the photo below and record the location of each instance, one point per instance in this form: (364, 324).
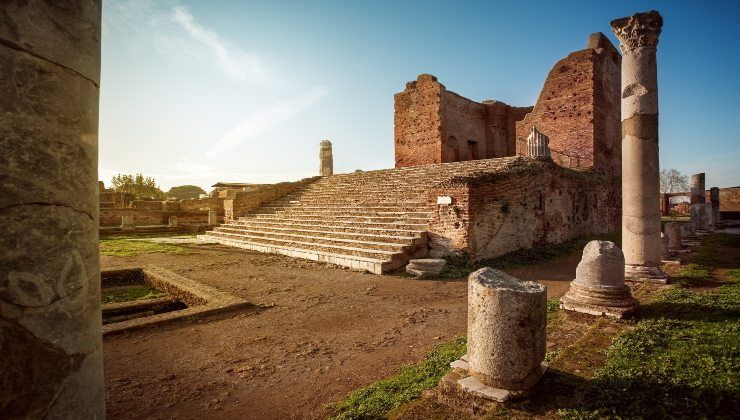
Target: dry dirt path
(316, 334)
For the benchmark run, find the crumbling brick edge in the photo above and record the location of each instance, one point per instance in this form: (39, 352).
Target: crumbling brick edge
(201, 299)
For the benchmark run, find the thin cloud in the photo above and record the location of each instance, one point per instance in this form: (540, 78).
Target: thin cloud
(235, 63)
(257, 124)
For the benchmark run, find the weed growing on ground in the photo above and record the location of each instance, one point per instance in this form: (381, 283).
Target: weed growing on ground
(128, 248)
(129, 294)
(380, 397)
(681, 360)
(711, 251)
(460, 266)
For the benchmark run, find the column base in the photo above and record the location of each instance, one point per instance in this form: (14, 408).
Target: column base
(644, 274)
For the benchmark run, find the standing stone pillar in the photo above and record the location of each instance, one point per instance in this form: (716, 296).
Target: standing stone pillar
(714, 199)
(538, 144)
(172, 221)
(506, 334)
(665, 204)
(50, 319)
(698, 199)
(638, 36)
(326, 159)
(212, 218)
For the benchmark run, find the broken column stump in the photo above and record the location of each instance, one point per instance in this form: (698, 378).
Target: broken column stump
(599, 287)
(425, 267)
(506, 339)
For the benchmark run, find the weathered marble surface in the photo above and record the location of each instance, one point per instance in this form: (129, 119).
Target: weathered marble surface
(50, 323)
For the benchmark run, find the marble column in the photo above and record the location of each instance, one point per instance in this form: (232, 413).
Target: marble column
(638, 36)
(698, 200)
(50, 320)
(538, 144)
(326, 159)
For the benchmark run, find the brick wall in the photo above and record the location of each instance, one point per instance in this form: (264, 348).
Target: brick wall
(434, 125)
(729, 203)
(532, 203)
(146, 217)
(579, 109)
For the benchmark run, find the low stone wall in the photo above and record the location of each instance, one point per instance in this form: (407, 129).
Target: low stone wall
(203, 204)
(532, 203)
(143, 217)
(242, 202)
(729, 203)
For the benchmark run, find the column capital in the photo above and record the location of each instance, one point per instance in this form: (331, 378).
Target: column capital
(638, 30)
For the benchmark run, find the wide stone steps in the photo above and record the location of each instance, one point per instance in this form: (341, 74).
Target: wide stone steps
(398, 224)
(334, 228)
(354, 211)
(376, 254)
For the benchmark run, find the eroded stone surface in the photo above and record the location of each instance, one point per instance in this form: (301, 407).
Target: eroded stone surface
(50, 324)
(426, 267)
(538, 144)
(326, 159)
(599, 287)
(506, 329)
(673, 232)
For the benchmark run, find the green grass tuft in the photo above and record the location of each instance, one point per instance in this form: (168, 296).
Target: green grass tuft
(128, 294)
(681, 360)
(691, 275)
(375, 400)
(128, 248)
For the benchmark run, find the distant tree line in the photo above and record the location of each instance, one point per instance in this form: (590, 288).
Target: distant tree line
(673, 181)
(142, 187)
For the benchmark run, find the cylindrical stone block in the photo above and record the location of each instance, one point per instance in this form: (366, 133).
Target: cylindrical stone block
(506, 329)
(326, 160)
(50, 320)
(673, 232)
(638, 35)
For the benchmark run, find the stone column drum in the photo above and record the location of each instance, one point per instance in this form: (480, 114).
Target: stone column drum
(698, 199)
(638, 36)
(538, 144)
(50, 320)
(506, 330)
(599, 287)
(326, 159)
(714, 199)
(673, 231)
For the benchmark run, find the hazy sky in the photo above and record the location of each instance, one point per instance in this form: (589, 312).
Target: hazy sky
(195, 92)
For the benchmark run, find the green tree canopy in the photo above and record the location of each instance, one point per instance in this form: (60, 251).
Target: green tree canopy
(138, 185)
(183, 192)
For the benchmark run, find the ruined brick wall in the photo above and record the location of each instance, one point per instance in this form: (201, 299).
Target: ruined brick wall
(209, 203)
(729, 203)
(434, 125)
(147, 217)
(579, 109)
(242, 202)
(533, 203)
(417, 125)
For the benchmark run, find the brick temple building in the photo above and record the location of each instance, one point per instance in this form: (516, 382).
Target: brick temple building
(464, 181)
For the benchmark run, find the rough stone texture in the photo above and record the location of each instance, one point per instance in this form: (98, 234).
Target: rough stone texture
(578, 108)
(729, 203)
(638, 35)
(50, 325)
(212, 218)
(326, 160)
(127, 220)
(434, 125)
(538, 144)
(172, 221)
(599, 287)
(506, 329)
(708, 216)
(425, 267)
(664, 255)
(698, 218)
(714, 200)
(673, 232)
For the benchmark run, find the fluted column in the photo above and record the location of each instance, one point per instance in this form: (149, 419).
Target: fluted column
(638, 36)
(538, 144)
(51, 354)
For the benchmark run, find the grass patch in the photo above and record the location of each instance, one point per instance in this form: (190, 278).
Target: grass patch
(129, 248)
(375, 400)
(460, 265)
(128, 294)
(681, 360)
(712, 248)
(691, 275)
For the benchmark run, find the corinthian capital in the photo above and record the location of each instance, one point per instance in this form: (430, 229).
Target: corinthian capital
(638, 30)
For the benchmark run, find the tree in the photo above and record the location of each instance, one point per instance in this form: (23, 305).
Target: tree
(183, 192)
(138, 185)
(673, 181)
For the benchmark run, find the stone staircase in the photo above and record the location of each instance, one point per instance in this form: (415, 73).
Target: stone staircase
(374, 221)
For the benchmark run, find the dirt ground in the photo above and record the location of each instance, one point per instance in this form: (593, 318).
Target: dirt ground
(315, 334)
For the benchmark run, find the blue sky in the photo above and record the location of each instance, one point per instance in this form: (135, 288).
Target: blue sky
(195, 92)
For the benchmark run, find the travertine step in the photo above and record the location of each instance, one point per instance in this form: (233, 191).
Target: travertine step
(327, 226)
(398, 224)
(361, 235)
